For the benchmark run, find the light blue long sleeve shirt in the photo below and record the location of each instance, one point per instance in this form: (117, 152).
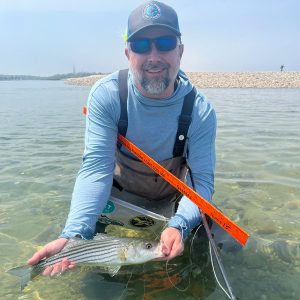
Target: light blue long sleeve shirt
(152, 126)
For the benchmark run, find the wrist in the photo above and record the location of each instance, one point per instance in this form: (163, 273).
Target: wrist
(180, 223)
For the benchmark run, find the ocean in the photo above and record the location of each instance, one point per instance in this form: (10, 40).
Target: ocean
(257, 186)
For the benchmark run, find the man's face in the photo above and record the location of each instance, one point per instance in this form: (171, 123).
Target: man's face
(155, 71)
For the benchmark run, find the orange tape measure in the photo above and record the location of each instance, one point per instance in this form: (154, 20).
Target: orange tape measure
(234, 230)
(238, 233)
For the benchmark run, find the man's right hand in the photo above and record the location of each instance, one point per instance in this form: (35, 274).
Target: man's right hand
(49, 250)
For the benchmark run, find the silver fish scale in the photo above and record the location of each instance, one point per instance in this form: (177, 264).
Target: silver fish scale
(94, 251)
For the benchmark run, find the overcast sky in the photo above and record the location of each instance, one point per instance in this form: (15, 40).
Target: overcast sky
(45, 37)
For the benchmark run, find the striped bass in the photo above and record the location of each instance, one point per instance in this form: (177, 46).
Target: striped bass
(104, 251)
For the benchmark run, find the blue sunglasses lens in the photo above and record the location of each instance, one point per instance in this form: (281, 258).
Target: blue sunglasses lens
(164, 43)
(140, 45)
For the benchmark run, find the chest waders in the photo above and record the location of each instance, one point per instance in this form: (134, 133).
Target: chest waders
(135, 182)
(146, 192)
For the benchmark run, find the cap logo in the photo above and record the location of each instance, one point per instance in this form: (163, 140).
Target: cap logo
(151, 11)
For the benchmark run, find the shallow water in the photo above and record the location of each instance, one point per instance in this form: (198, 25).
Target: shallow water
(257, 185)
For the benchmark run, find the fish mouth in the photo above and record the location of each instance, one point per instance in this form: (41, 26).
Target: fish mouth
(159, 253)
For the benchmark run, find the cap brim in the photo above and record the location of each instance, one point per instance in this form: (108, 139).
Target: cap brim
(172, 30)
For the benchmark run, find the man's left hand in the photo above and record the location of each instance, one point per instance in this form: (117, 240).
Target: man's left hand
(172, 244)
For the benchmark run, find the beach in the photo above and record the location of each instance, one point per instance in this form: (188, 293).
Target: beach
(223, 79)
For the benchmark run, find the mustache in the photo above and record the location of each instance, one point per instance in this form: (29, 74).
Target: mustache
(154, 66)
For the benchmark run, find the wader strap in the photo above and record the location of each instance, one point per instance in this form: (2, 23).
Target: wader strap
(123, 93)
(184, 122)
(184, 119)
(117, 185)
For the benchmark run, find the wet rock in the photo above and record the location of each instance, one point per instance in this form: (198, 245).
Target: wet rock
(268, 228)
(293, 205)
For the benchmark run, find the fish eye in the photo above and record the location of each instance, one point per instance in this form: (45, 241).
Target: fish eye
(148, 246)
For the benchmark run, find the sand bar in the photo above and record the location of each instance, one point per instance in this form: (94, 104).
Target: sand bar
(224, 79)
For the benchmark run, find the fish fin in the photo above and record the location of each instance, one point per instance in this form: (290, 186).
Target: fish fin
(103, 236)
(24, 272)
(72, 243)
(112, 271)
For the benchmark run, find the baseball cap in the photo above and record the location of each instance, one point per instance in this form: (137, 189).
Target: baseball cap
(152, 14)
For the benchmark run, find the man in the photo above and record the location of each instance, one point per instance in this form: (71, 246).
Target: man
(157, 90)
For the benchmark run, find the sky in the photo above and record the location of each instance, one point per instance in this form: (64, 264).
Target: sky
(46, 37)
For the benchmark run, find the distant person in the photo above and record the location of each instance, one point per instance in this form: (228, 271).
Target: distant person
(282, 67)
(160, 104)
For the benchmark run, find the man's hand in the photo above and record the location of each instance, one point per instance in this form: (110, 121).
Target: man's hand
(49, 250)
(172, 244)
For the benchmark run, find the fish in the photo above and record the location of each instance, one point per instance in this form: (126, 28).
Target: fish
(108, 252)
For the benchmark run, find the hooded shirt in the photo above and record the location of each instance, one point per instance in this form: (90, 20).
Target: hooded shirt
(152, 126)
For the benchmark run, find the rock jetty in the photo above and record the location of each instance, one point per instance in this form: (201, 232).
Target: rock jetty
(224, 79)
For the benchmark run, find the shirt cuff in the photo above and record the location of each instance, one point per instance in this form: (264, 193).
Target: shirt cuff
(73, 230)
(179, 222)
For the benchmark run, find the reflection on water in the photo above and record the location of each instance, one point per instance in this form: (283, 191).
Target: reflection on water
(257, 185)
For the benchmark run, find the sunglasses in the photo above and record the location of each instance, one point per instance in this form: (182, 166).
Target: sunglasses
(162, 43)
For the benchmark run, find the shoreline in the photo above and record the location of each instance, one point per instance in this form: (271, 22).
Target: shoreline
(283, 79)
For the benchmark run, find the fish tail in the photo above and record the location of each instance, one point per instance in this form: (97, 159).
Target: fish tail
(26, 273)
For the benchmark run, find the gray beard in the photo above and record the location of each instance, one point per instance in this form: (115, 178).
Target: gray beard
(155, 85)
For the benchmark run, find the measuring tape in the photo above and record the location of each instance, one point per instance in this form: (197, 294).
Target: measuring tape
(238, 233)
(234, 230)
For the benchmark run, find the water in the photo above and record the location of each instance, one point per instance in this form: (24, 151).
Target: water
(257, 185)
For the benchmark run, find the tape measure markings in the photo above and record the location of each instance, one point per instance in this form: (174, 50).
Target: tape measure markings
(238, 233)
